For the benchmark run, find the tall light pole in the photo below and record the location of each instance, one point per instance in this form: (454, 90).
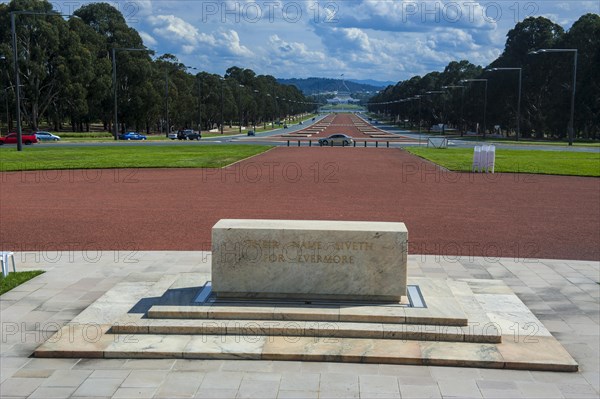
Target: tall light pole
(462, 104)
(271, 115)
(199, 104)
(199, 92)
(518, 99)
(168, 123)
(240, 105)
(573, 86)
(5, 90)
(256, 112)
(13, 22)
(222, 79)
(484, 99)
(443, 108)
(418, 97)
(114, 82)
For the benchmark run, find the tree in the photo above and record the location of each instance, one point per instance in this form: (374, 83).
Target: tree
(584, 35)
(43, 50)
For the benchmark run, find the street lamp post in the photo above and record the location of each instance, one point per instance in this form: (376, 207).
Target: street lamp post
(418, 97)
(270, 115)
(222, 84)
(519, 95)
(17, 79)
(462, 104)
(277, 109)
(443, 108)
(199, 93)
(168, 123)
(240, 105)
(484, 99)
(5, 90)
(13, 22)
(114, 82)
(573, 86)
(256, 112)
(199, 104)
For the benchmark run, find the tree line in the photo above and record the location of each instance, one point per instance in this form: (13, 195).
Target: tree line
(545, 92)
(65, 69)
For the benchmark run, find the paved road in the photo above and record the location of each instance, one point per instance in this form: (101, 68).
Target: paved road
(458, 143)
(406, 138)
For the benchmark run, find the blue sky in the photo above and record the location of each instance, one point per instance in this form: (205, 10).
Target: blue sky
(367, 39)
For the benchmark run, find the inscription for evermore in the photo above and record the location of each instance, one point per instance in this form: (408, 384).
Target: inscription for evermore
(309, 259)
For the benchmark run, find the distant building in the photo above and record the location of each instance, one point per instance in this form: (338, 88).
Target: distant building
(342, 97)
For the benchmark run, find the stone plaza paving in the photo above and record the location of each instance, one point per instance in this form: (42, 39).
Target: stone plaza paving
(564, 295)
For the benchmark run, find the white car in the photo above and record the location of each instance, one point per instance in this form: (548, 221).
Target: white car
(336, 139)
(46, 136)
(173, 135)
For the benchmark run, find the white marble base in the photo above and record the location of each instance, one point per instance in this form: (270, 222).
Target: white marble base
(305, 259)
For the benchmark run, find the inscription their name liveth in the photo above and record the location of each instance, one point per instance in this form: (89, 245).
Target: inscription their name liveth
(304, 259)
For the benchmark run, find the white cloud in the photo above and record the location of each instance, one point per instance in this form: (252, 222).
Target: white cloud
(230, 40)
(173, 28)
(381, 39)
(182, 37)
(297, 51)
(148, 39)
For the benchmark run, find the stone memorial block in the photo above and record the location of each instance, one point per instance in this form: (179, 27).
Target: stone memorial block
(307, 259)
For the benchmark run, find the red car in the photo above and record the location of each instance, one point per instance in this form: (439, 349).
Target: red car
(11, 138)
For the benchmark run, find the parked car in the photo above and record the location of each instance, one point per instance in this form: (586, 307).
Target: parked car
(188, 134)
(11, 138)
(46, 136)
(251, 133)
(173, 135)
(336, 139)
(132, 136)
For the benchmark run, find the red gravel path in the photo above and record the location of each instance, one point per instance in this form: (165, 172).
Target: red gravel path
(506, 215)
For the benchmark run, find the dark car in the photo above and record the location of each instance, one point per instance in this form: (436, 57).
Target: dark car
(132, 136)
(336, 139)
(188, 134)
(251, 133)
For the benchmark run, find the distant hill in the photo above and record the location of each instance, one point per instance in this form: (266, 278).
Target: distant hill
(377, 83)
(311, 86)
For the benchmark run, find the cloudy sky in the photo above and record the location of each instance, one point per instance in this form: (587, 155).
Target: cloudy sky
(387, 40)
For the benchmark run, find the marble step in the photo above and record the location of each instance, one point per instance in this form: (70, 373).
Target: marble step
(489, 304)
(73, 341)
(136, 324)
(449, 315)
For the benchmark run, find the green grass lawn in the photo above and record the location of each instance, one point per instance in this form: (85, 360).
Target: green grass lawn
(518, 161)
(529, 142)
(105, 157)
(15, 279)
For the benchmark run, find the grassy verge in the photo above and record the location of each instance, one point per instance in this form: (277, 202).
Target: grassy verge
(529, 142)
(518, 161)
(106, 157)
(261, 128)
(84, 135)
(15, 279)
